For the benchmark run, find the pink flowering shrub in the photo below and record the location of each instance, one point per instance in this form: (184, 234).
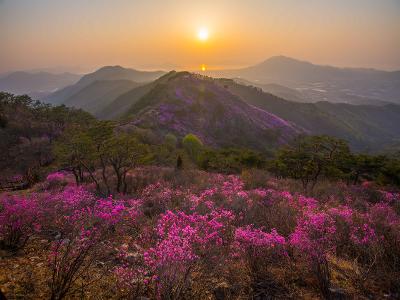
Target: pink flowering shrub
(203, 201)
(352, 227)
(184, 241)
(314, 235)
(56, 180)
(384, 254)
(363, 234)
(253, 241)
(232, 186)
(18, 220)
(314, 238)
(259, 249)
(390, 197)
(57, 207)
(108, 211)
(85, 240)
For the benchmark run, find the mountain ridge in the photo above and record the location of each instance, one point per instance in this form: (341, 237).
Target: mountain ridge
(350, 122)
(182, 103)
(104, 73)
(98, 94)
(318, 82)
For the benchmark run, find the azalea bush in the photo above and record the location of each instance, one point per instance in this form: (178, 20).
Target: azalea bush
(314, 239)
(19, 220)
(259, 250)
(87, 239)
(184, 242)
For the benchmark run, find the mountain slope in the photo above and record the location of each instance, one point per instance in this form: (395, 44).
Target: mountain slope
(366, 127)
(182, 103)
(122, 103)
(97, 95)
(120, 73)
(277, 90)
(36, 84)
(103, 74)
(312, 95)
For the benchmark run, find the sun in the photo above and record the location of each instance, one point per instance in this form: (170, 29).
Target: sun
(202, 34)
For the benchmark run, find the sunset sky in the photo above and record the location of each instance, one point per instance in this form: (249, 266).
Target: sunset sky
(180, 34)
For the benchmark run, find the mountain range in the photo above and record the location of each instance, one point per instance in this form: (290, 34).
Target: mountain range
(282, 76)
(260, 107)
(322, 83)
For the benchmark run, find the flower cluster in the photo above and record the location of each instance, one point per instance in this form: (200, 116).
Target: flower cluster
(314, 235)
(19, 219)
(256, 243)
(185, 237)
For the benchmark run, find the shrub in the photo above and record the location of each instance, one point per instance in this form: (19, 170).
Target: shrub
(19, 219)
(259, 249)
(314, 237)
(183, 241)
(86, 239)
(192, 145)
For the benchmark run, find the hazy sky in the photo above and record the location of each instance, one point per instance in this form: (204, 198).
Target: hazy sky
(150, 34)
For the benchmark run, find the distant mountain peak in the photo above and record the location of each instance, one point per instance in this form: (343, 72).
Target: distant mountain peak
(106, 73)
(119, 73)
(116, 67)
(283, 60)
